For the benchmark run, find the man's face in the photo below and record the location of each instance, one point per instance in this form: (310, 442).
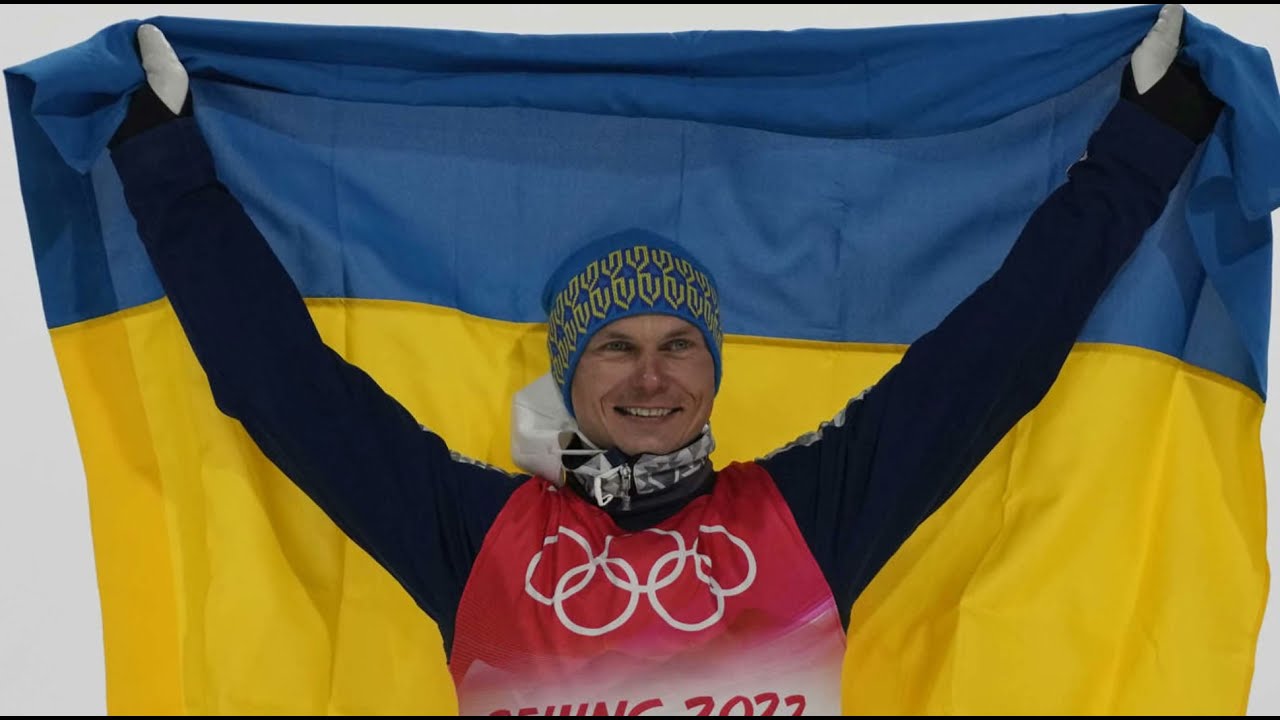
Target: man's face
(644, 384)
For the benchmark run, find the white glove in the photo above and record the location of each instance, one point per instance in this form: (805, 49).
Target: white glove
(165, 74)
(1158, 49)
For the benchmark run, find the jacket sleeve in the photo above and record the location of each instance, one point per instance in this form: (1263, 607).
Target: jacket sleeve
(861, 484)
(391, 485)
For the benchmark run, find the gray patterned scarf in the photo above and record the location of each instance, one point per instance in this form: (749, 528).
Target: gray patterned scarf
(607, 475)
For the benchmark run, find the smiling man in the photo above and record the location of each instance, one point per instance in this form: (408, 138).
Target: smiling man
(634, 337)
(629, 575)
(644, 385)
(644, 382)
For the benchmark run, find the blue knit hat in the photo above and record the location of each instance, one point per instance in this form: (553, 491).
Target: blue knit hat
(633, 272)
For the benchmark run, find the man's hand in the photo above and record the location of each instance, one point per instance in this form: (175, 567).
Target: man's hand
(165, 96)
(1167, 87)
(1158, 49)
(165, 74)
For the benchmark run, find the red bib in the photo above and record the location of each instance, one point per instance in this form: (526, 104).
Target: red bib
(719, 610)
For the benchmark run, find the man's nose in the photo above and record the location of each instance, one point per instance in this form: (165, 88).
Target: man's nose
(650, 373)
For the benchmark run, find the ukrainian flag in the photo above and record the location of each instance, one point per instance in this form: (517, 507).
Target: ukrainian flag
(848, 188)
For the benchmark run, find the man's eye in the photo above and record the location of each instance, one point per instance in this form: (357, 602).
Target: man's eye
(680, 344)
(616, 346)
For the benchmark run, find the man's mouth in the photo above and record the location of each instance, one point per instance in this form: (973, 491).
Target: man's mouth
(645, 412)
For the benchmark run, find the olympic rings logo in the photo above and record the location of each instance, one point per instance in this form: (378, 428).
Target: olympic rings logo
(619, 573)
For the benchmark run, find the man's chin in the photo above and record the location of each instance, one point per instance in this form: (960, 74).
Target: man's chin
(650, 446)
